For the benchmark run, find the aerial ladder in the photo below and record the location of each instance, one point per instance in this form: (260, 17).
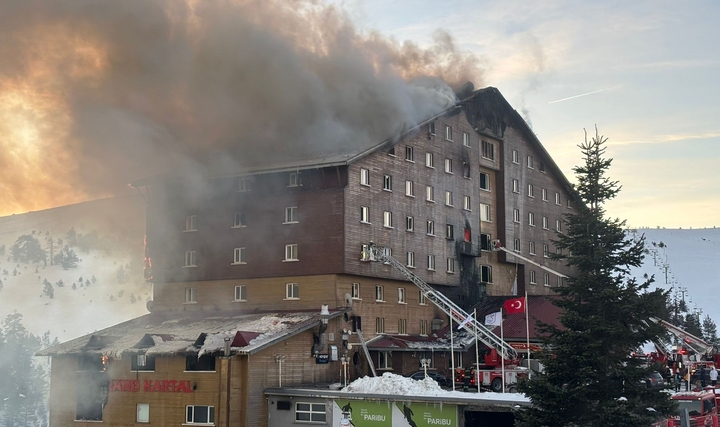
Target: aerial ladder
(373, 252)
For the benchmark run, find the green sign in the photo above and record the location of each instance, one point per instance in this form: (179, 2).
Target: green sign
(427, 415)
(364, 414)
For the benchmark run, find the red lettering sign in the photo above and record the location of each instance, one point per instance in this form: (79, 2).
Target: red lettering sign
(164, 386)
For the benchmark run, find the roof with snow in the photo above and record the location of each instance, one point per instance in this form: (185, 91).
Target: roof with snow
(175, 333)
(439, 340)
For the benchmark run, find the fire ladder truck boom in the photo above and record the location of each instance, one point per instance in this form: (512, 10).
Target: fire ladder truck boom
(699, 345)
(497, 246)
(486, 336)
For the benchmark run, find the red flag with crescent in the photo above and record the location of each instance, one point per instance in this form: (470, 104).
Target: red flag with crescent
(515, 305)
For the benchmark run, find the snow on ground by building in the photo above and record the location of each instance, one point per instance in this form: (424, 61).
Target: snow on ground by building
(392, 384)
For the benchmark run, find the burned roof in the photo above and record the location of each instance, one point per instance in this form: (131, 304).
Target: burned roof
(438, 341)
(171, 333)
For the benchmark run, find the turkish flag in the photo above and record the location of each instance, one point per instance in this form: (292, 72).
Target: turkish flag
(515, 305)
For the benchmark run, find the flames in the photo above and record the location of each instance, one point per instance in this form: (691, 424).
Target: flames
(94, 95)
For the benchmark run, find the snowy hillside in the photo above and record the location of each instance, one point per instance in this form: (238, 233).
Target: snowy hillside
(105, 288)
(692, 260)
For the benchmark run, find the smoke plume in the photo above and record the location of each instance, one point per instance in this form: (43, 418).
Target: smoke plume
(97, 93)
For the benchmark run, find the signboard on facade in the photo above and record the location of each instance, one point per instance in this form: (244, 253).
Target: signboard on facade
(360, 413)
(322, 358)
(164, 386)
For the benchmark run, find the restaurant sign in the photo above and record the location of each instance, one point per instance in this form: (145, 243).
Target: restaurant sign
(164, 386)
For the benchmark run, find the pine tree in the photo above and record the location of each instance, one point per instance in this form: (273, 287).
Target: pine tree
(590, 378)
(709, 330)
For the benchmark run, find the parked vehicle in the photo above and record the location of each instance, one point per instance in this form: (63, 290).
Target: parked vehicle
(701, 407)
(439, 378)
(655, 380)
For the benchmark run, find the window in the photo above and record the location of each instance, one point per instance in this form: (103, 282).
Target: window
(557, 199)
(294, 179)
(190, 259)
(531, 219)
(364, 177)
(429, 194)
(546, 280)
(387, 219)
(379, 293)
(488, 150)
(485, 212)
(423, 327)
(411, 259)
(431, 128)
(531, 191)
(142, 413)
(546, 251)
(450, 265)
(448, 166)
(544, 195)
(355, 292)
(541, 167)
(409, 189)
(291, 252)
(199, 414)
(239, 220)
(430, 228)
(191, 223)
(242, 185)
(385, 359)
(545, 223)
(530, 162)
(387, 183)
(292, 291)
(466, 139)
(291, 216)
(239, 256)
(388, 253)
(516, 215)
(409, 223)
(449, 231)
(486, 274)
(310, 412)
(466, 170)
(204, 363)
(240, 293)
(429, 160)
(559, 282)
(485, 242)
(484, 181)
(558, 225)
(380, 326)
(515, 157)
(448, 133)
(567, 203)
(364, 214)
(422, 299)
(430, 264)
(402, 326)
(533, 280)
(558, 251)
(401, 296)
(391, 152)
(409, 154)
(190, 295)
(466, 203)
(448, 198)
(516, 186)
(142, 362)
(532, 248)
(516, 245)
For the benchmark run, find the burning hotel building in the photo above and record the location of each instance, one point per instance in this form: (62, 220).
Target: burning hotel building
(242, 263)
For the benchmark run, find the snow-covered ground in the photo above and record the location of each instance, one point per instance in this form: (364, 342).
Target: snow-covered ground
(692, 258)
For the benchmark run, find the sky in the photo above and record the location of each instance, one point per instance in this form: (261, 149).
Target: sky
(94, 95)
(644, 72)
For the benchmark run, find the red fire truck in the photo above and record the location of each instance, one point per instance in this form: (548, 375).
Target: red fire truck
(701, 407)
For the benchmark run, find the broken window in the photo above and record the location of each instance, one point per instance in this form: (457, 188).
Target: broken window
(205, 363)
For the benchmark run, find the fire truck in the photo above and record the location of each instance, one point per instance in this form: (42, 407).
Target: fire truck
(489, 375)
(701, 407)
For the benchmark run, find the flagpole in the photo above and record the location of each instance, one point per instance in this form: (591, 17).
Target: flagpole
(477, 354)
(502, 358)
(452, 351)
(527, 330)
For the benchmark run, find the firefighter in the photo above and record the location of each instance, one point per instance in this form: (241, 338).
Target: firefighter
(466, 380)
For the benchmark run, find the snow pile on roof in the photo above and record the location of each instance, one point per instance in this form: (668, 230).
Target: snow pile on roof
(393, 384)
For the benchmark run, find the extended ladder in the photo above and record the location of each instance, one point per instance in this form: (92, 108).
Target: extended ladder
(372, 252)
(367, 352)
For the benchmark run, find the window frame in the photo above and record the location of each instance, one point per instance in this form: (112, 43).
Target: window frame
(450, 265)
(242, 293)
(293, 254)
(379, 293)
(190, 295)
(516, 157)
(448, 133)
(190, 223)
(422, 298)
(531, 191)
(449, 198)
(430, 227)
(449, 166)
(239, 256)
(429, 194)
(430, 159)
(557, 199)
(365, 177)
(239, 219)
(485, 213)
(294, 179)
(533, 278)
(379, 325)
(387, 219)
(450, 231)
(402, 296)
(190, 413)
(531, 219)
(409, 154)
(409, 224)
(431, 262)
(190, 259)
(365, 215)
(516, 215)
(487, 150)
(467, 203)
(409, 188)
(146, 412)
(291, 215)
(410, 258)
(315, 415)
(486, 274)
(531, 248)
(402, 326)
(466, 139)
(387, 183)
(530, 163)
(544, 193)
(484, 181)
(292, 291)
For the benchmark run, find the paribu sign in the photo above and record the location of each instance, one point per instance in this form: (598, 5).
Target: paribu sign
(360, 413)
(165, 386)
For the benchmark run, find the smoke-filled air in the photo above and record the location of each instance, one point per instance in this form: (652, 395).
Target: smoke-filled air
(95, 94)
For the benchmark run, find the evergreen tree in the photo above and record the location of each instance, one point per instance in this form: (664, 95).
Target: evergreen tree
(709, 330)
(27, 249)
(590, 378)
(67, 258)
(692, 324)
